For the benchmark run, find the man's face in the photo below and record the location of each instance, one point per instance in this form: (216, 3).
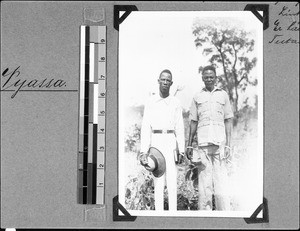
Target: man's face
(165, 82)
(209, 78)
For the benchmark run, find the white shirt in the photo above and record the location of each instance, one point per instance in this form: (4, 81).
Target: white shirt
(162, 114)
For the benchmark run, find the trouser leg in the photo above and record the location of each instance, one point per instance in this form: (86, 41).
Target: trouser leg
(171, 177)
(166, 143)
(221, 184)
(159, 185)
(205, 187)
(205, 190)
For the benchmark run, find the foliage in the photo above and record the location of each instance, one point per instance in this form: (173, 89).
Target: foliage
(140, 192)
(231, 49)
(187, 190)
(132, 138)
(192, 175)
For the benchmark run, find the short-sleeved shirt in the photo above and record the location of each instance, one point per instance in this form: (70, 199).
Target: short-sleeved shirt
(210, 109)
(162, 114)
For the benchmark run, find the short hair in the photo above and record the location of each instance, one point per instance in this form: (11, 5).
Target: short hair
(166, 71)
(212, 68)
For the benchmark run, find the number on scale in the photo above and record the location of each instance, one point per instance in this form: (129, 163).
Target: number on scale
(101, 148)
(103, 40)
(102, 77)
(101, 165)
(102, 58)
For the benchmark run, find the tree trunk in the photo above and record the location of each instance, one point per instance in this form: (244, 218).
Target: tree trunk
(236, 100)
(236, 83)
(229, 90)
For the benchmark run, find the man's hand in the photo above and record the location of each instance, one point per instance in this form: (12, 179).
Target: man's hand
(189, 153)
(143, 159)
(227, 152)
(180, 157)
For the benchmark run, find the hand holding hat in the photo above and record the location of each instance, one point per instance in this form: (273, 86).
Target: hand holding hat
(154, 162)
(143, 157)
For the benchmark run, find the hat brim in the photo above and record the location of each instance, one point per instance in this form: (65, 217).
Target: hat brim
(159, 160)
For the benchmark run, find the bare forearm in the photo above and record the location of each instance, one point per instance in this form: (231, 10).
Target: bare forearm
(145, 131)
(228, 131)
(193, 129)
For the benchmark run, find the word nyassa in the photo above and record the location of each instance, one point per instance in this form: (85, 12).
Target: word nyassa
(13, 81)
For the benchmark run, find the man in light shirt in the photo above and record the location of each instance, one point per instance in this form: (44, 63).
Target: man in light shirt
(163, 128)
(211, 117)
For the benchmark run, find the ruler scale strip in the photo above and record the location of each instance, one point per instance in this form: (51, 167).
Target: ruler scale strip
(101, 76)
(91, 153)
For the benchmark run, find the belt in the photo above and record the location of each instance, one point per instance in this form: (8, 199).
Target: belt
(207, 144)
(163, 131)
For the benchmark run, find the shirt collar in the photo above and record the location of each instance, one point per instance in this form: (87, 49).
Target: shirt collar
(157, 98)
(215, 89)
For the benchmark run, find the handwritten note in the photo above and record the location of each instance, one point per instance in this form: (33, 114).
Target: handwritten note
(13, 81)
(286, 24)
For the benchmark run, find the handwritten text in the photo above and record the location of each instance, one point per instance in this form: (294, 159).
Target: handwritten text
(12, 81)
(287, 21)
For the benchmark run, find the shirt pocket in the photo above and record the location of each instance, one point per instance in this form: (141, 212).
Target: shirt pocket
(219, 106)
(202, 106)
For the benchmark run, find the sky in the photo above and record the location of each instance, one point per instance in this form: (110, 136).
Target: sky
(150, 41)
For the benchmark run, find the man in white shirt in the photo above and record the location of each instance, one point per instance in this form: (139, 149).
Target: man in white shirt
(163, 128)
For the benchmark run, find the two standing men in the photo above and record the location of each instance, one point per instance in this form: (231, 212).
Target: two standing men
(210, 116)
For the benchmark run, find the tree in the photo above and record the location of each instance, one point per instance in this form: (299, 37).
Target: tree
(230, 48)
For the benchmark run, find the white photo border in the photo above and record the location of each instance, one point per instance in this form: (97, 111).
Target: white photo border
(121, 92)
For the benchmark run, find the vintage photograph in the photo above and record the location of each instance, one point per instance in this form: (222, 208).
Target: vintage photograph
(190, 122)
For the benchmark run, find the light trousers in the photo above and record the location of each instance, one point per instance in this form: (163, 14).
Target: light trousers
(166, 144)
(213, 180)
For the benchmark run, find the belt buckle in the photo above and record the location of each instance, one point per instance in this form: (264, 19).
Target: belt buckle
(164, 131)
